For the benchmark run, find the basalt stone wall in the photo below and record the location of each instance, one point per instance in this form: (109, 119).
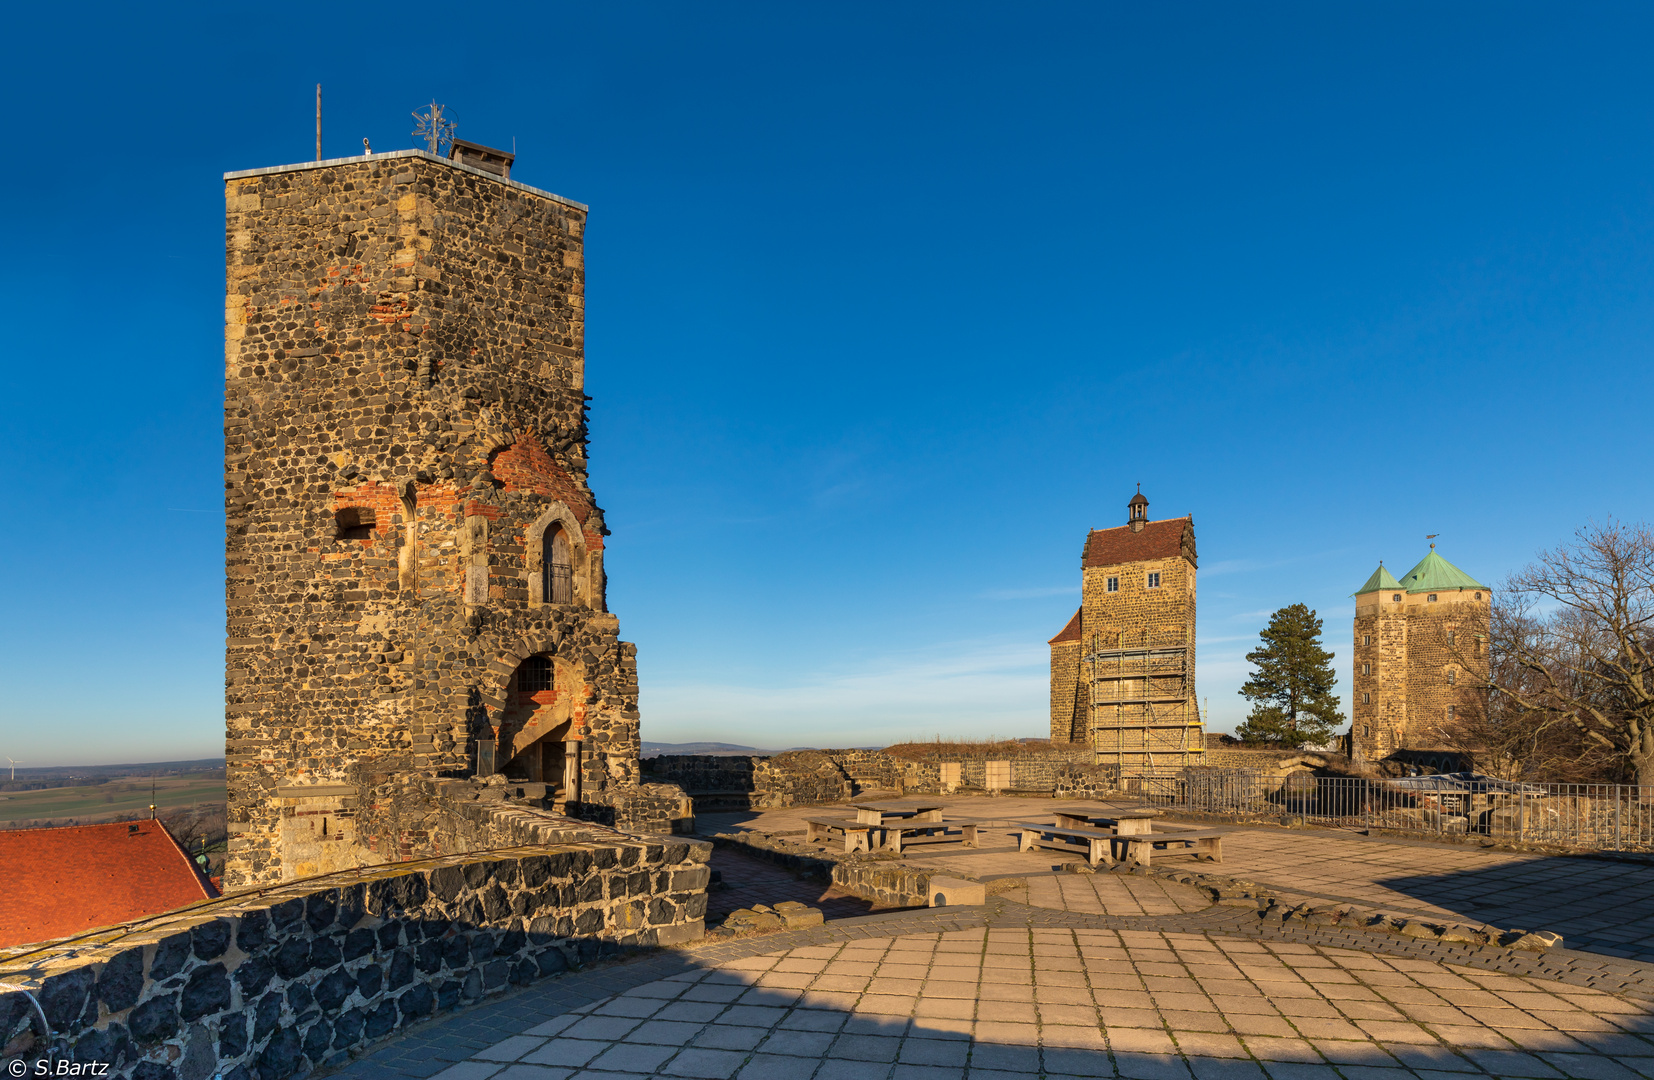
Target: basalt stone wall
(274, 984)
(1065, 769)
(795, 778)
(812, 777)
(404, 437)
(646, 808)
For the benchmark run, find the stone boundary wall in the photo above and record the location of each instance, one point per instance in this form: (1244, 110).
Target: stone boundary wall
(422, 817)
(815, 777)
(1277, 763)
(275, 983)
(795, 778)
(870, 877)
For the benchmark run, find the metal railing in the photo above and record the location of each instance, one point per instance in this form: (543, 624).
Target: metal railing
(1603, 817)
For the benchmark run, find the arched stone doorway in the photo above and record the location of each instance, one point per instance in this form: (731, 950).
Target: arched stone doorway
(542, 726)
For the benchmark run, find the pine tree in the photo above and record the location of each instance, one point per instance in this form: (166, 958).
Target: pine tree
(1291, 691)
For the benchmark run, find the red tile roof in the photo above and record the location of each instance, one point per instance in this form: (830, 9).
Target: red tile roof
(1071, 632)
(1157, 540)
(59, 882)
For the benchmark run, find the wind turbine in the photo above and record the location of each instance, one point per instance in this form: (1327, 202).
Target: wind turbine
(14, 764)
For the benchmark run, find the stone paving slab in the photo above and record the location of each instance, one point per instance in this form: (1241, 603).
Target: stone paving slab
(1111, 975)
(1005, 983)
(883, 999)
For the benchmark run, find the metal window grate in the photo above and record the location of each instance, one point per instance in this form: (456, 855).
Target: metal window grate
(534, 675)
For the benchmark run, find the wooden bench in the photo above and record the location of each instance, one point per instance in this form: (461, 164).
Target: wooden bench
(857, 835)
(1201, 843)
(1095, 844)
(896, 832)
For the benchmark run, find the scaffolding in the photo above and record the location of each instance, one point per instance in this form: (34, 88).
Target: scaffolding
(1143, 716)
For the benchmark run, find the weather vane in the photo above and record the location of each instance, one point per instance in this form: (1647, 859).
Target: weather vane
(434, 126)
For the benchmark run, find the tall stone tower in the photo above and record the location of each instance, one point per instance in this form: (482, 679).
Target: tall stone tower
(1123, 669)
(1420, 647)
(414, 558)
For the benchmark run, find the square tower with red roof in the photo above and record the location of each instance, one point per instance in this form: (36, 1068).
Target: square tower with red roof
(1123, 669)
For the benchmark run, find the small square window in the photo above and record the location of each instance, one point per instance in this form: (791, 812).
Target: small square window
(1432, 598)
(1113, 584)
(1154, 581)
(1396, 598)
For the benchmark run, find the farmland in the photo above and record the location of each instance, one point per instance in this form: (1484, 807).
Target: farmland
(90, 803)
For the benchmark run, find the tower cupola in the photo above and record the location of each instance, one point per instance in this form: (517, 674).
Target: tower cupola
(1137, 511)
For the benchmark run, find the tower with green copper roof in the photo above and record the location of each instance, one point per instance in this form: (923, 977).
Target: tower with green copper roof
(1420, 648)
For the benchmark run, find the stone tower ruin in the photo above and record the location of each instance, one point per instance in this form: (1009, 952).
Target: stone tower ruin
(1420, 648)
(1123, 669)
(413, 558)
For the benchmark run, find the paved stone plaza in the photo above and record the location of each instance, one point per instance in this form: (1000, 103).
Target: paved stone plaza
(1601, 905)
(1099, 975)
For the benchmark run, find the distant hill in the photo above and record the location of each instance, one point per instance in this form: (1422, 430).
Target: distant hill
(35, 778)
(655, 749)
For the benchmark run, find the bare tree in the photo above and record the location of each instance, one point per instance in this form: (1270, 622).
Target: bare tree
(1572, 644)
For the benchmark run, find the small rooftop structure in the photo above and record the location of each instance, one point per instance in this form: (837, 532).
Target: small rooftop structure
(482, 157)
(65, 881)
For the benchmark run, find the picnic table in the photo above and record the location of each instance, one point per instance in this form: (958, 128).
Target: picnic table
(870, 813)
(1096, 836)
(896, 822)
(1124, 822)
(858, 836)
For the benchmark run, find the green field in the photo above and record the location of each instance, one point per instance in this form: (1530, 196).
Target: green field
(100, 800)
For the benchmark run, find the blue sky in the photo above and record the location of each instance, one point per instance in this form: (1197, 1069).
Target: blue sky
(887, 305)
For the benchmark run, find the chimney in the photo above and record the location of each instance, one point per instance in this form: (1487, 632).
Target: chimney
(482, 157)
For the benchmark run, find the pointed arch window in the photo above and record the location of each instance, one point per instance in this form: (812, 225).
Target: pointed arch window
(557, 573)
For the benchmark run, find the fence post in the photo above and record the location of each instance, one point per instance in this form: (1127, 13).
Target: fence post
(1617, 846)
